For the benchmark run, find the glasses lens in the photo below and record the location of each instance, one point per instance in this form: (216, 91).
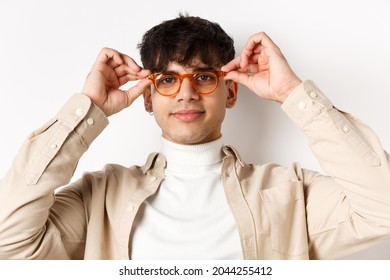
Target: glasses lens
(167, 84)
(205, 82)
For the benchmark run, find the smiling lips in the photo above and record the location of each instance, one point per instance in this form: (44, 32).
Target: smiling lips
(188, 115)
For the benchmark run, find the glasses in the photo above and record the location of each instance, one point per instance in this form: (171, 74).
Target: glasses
(169, 83)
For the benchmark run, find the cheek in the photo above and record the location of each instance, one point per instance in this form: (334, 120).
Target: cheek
(218, 104)
(219, 114)
(157, 103)
(160, 109)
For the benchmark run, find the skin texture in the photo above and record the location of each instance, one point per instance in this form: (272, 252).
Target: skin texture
(271, 77)
(190, 118)
(110, 71)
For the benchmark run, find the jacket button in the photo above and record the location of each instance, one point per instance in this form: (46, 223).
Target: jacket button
(313, 94)
(153, 179)
(90, 121)
(78, 112)
(345, 129)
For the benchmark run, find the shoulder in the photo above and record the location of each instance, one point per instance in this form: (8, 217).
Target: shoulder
(120, 176)
(266, 172)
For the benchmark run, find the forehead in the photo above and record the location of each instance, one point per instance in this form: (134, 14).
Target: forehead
(196, 64)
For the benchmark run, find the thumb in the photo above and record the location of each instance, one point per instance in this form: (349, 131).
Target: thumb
(134, 92)
(241, 78)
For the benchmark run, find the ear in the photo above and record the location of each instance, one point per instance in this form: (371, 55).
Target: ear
(148, 100)
(232, 94)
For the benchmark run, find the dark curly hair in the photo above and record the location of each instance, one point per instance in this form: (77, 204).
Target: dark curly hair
(182, 39)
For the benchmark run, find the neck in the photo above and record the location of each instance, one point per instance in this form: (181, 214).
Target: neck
(193, 159)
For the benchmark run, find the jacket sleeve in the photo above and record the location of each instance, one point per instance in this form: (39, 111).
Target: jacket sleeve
(348, 210)
(30, 227)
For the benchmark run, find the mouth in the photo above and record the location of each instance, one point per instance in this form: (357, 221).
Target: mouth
(188, 115)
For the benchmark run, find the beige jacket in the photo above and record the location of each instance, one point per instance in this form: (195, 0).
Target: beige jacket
(281, 213)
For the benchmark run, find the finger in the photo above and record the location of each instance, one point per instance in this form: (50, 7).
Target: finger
(256, 45)
(112, 63)
(124, 76)
(135, 70)
(241, 78)
(127, 78)
(124, 60)
(134, 92)
(259, 39)
(252, 46)
(267, 43)
(249, 69)
(131, 63)
(123, 70)
(232, 65)
(144, 73)
(109, 55)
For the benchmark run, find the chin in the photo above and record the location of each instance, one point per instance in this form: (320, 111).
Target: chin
(190, 139)
(187, 141)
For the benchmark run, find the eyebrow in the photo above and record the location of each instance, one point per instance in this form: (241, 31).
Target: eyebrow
(195, 69)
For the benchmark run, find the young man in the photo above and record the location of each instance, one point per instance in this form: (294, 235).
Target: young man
(196, 199)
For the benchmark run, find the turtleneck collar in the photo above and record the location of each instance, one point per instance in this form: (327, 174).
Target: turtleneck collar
(193, 159)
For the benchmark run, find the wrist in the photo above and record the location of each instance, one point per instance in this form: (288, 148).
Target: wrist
(288, 89)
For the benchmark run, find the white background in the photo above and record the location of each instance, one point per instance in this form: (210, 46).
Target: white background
(47, 48)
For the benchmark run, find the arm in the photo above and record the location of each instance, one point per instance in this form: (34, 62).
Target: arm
(349, 209)
(263, 69)
(35, 222)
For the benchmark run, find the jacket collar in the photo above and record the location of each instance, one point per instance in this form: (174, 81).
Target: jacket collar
(157, 162)
(230, 151)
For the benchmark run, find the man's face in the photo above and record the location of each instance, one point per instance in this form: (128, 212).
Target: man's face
(189, 117)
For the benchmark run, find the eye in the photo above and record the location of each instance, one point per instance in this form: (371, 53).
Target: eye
(205, 78)
(166, 80)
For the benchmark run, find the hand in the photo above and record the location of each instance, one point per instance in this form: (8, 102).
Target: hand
(110, 71)
(263, 69)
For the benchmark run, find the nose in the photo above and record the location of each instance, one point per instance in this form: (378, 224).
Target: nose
(187, 93)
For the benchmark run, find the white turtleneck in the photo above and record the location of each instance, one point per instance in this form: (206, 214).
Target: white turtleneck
(188, 217)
